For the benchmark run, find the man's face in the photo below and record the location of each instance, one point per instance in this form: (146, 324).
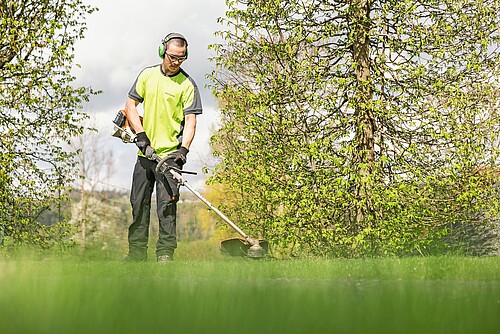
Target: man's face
(174, 56)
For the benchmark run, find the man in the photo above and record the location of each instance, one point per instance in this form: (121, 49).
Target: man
(171, 102)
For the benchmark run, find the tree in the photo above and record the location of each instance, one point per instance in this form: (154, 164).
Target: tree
(40, 110)
(362, 126)
(96, 165)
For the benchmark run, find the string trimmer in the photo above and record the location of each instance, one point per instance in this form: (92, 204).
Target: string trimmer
(250, 247)
(245, 246)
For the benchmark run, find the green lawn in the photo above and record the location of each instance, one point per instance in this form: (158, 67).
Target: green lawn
(223, 295)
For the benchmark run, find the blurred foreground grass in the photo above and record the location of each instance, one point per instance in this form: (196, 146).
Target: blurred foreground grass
(223, 295)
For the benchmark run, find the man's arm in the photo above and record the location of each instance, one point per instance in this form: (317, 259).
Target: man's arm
(189, 130)
(133, 115)
(142, 140)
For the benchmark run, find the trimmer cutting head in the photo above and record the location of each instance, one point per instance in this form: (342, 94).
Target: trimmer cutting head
(242, 247)
(256, 251)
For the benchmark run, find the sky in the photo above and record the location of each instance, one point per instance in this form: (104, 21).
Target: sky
(121, 39)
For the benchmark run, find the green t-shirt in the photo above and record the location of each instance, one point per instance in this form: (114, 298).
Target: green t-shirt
(167, 99)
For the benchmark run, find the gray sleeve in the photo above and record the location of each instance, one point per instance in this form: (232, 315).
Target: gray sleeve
(195, 107)
(132, 93)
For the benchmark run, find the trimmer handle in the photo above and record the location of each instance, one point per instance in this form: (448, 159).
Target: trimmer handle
(162, 167)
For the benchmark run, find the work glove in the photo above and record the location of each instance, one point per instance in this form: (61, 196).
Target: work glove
(180, 156)
(142, 141)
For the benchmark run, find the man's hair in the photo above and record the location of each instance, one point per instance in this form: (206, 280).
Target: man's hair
(177, 42)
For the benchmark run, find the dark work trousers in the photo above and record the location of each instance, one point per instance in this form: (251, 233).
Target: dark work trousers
(167, 195)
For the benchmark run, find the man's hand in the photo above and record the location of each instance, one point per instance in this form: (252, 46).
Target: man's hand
(180, 156)
(142, 141)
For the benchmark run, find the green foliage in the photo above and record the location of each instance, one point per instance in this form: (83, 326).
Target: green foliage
(360, 128)
(40, 111)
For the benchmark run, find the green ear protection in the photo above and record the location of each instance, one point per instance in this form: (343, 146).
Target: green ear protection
(163, 45)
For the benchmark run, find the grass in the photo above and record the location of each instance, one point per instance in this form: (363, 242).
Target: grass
(197, 294)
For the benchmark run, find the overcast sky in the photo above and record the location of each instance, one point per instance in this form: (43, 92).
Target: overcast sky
(122, 38)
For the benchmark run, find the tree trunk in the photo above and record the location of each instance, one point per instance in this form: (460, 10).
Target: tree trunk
(365, 126)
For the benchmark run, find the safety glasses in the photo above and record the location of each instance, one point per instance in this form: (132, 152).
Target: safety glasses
(176, 58)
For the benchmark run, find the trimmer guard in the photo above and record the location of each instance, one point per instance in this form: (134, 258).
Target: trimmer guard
(240, 247)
